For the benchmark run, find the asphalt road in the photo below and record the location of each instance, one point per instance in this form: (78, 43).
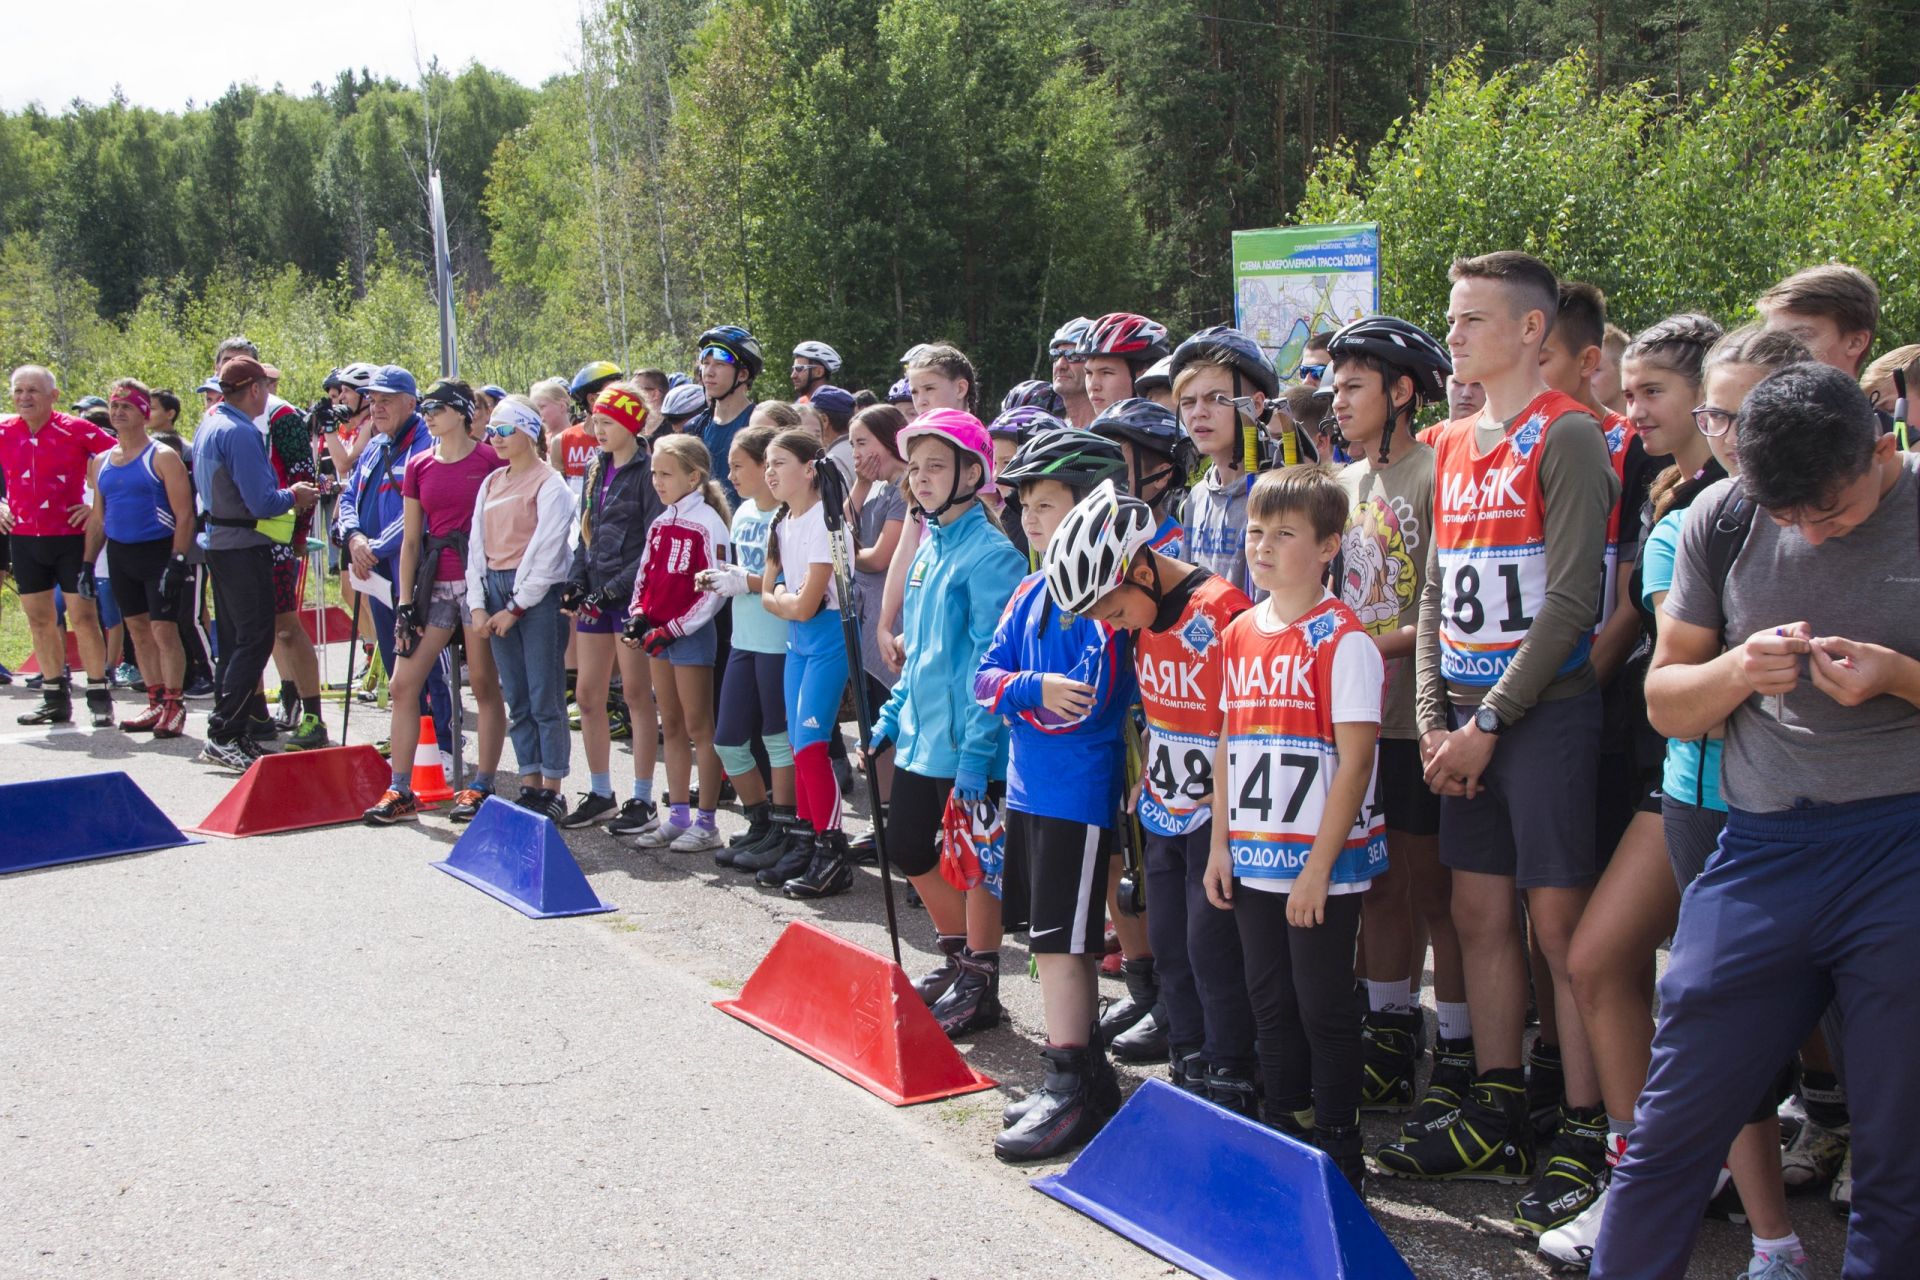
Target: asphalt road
(313, 1055)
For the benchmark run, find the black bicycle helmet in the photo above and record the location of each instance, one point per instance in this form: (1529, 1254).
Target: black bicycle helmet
(1402, 345)
(1078, 459)
(1034, 394)
(1024, 422)
(1225, 345)
(737, 342)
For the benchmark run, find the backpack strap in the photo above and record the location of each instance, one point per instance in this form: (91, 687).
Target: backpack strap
(1732, 522)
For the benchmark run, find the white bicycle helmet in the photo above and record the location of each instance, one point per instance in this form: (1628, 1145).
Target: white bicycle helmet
(683, 401)
(821, 354)
(359, 375)
(1089, 553)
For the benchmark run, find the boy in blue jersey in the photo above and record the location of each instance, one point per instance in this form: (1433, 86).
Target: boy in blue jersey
(1064, 684)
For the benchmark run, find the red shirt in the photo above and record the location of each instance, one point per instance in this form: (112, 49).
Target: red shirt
(577, 447)
(46, 472)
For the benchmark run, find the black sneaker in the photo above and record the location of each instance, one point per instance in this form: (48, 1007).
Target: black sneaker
(829, 873)
(551, 804)
(592, 807)
(1233, 1088)
(634, 816)
(199, 687)
(1488, 1138)
(973, 1002)
(1447, 1086)
(395, 806)
(1388, 1052)
(56, 707)
(227, 755)
(466, 804)
(100, 705)
(1572, 1177)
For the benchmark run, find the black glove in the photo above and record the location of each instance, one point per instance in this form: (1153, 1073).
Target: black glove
(637, 626)
(406, 629)
(572, 596)
(608, 599)
(174, 579)
(88, 587)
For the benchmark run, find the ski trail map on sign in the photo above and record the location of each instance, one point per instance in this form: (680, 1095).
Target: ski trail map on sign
(1292, 282)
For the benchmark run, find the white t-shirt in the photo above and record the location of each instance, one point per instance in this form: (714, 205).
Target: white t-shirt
(803, 542)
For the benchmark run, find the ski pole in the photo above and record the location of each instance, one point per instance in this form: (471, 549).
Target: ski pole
(353, 647)
(833, 501)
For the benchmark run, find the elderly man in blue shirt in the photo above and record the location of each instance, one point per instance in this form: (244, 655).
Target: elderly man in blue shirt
(237, 485)
(371, 521)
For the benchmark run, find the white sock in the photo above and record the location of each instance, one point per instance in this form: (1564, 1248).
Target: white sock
(1787, 1246)
(1455, 1023)
(1390, 997)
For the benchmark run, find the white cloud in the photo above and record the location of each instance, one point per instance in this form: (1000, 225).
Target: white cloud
(165, 55)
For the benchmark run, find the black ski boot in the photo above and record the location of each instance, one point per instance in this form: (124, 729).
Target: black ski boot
(973, 1002)
(1297, 1125)
(1452, 1076)
(771, 846)
(933, 985)
(1233, 1088)
(759, 822)
(1187, 1069)
(56, 705)
(1343, 1147)
(866, 850)
(829, 873)
(1145, 1040)
(1080, 1094)
(1546, 1090)
(793, 858)
(100, 704)
(1143, 992)
(1389, 1052)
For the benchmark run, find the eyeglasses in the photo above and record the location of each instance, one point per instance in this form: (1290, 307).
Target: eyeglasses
(719, 353)
(1713, 422)
(1310, 371)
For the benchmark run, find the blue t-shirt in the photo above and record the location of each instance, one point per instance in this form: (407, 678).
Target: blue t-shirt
(718, 437)
(754, 629)
(1692, 774)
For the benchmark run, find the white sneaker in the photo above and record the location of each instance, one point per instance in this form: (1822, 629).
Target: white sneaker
(697, 839)
(1778, 1267)
(1840, 1195)
(1571, 1247)
(1814, 1156)
(661, 834)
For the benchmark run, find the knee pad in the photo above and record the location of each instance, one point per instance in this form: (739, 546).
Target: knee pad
(736, 760)
(779, 750)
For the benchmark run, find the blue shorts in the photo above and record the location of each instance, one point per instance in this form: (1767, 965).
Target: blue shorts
(696, 650)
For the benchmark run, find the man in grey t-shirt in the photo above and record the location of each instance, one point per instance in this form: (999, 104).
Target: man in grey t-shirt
(1809, 651)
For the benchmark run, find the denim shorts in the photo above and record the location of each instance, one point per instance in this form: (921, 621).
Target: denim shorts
(696, 650)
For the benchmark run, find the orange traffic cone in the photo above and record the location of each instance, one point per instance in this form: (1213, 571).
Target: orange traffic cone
(429, 779)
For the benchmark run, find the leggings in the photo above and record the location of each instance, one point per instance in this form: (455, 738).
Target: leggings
(753, 704)
(815, 678)
(1196, 948)
(1306, 1021)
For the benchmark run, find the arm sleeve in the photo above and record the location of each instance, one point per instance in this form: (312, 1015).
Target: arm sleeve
(545, 561)
(1579, 489)
(1430, 685)
(1692, 598)
(252, 474)
(1000, 684)
(988, 589)
(1359, 675)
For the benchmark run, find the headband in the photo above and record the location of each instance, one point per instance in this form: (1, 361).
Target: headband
(138, 399)
(622, 407)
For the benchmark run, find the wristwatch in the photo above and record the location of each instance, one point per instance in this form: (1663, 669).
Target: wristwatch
(516, 610)
(1487, 720)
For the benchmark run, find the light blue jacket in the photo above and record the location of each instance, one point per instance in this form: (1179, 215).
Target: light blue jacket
(959, 584)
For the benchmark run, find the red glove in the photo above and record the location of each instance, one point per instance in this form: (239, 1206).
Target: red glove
(655, 642)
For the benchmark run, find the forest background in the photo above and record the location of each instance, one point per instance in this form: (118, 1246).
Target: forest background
(874, 173)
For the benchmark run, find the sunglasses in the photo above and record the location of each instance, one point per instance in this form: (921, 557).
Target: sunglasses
(1067, 353)
(719, 353)
(502, 430)
(1310, 371)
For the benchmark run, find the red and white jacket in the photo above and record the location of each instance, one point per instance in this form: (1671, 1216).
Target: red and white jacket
(683, 539)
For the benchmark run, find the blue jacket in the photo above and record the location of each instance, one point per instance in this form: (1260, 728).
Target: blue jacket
(1056, 770)
(234, 479)
(370, 502)
(959, 582)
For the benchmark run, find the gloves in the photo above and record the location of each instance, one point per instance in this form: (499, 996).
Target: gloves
(173, 580)
(88, 588)
(725, 580)
(607, 600)
(572, 597)
(406, 629)
(637, 626)
(970, 785)
(655, 642)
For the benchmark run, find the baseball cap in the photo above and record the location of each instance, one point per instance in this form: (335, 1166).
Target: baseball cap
(239, 372)
(85, 403)
(835, 402)
(271, 372)
(394, 380)
(211, 384)
(493, 393)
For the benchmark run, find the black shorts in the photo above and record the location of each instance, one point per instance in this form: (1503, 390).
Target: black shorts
(1533, 820)
(41, 563)
(1064, 867)
(133, 571)
(1400, 788)
(913, 820)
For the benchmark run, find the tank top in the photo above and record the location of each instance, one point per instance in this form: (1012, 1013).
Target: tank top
(136, 499)
(1490, 533)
